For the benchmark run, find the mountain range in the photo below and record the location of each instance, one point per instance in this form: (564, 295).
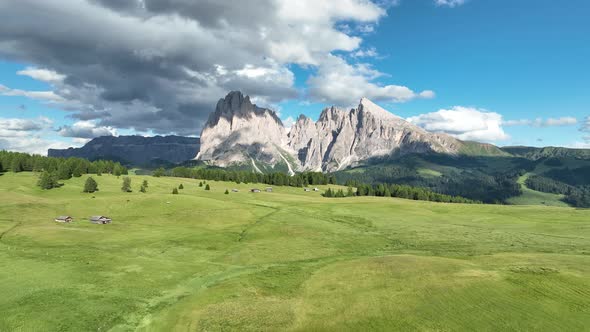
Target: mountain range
(366, 144)
(241, 133)
(136, 151)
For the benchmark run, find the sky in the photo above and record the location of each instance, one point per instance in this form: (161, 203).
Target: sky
(500, 71)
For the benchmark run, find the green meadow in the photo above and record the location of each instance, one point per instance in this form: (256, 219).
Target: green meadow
(286, 260)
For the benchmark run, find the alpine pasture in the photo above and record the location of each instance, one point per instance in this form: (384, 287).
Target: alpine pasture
(284, 260)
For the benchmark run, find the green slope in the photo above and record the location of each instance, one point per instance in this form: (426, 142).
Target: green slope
(532, 197)
(287, 260)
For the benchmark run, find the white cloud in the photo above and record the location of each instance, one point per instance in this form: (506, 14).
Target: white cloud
(12, 125)
(44, 75)
(86, 130)
(585, 125)
(539, 122)
(465, 123)
(365, 53)
(34, 144)
(449, 3)
(338, 82)
(288, 123)
(137, 64)
(26, 135)
(40, 95)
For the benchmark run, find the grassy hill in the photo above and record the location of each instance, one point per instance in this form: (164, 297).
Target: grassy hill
(286, 260)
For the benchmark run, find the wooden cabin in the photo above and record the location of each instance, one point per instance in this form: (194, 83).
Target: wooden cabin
(100, 220)
(254, 190)
(64, 219)
(316, 189)
(306, 189)
(235, 190)
(269, 189)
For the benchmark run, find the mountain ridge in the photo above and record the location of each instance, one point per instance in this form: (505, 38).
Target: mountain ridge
(239, 132)
(135, 150)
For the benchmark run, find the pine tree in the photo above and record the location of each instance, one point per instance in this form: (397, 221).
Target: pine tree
(200, 184)
(349, 192)
(142, 189)
(126, 187)
(47, 181)
(226, 192)
(181, 187)
(144, 184)
(90, 186)
(175, 191)
(207, 187)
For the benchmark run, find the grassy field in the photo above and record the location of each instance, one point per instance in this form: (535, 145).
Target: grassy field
(533, 197)
(286, 260)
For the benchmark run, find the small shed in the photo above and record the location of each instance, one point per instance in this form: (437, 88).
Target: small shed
(255, 190)
(306, 189)
(316, 189)
(100, 220)
(269, 189)
(64, 219)
(235, 190)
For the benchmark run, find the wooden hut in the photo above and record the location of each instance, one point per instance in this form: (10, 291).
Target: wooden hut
(64, 219)
(255, 190)
(100, 220)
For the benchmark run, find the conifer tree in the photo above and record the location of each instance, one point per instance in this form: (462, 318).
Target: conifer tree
(181, 187)
(207, 187)
(226, 192)
(90, 186)
(47, 181)
(175, 191)
(126, 187)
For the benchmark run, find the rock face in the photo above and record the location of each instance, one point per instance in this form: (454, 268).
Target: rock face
(239, 132)
(135, 150)
(346, 138)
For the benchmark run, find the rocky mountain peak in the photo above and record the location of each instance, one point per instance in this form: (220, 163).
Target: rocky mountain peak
(365, 105)
(235, 104)
(242, 133)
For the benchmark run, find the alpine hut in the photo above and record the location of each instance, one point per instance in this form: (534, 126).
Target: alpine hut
(100, 220)
(64, 219)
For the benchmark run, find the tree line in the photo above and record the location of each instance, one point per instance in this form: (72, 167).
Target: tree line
(578, 196)
(399, 191)
(276, 178)
(55, 169)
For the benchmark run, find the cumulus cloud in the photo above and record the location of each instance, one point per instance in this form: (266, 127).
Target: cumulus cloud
(465, 123)
(9, 126)
(48, 96)
(539, 122)
(40, 74)
(86, 130)
(449, 3)
(161, 65)
(341, 83)
(25, 135)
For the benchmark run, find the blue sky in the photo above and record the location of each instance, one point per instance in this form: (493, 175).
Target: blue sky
(506, 72)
